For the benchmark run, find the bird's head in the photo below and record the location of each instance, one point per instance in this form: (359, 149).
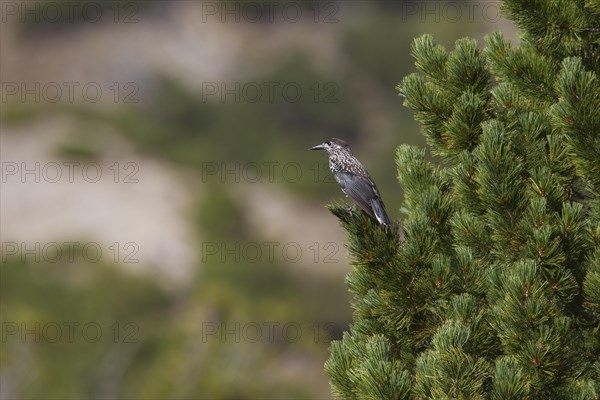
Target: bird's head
(332, 145)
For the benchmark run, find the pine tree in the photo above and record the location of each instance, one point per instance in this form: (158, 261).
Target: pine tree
(494, 289)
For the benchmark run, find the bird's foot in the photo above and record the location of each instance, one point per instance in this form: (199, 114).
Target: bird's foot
(350, 210)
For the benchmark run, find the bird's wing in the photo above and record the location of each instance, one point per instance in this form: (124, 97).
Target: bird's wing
(360, 189)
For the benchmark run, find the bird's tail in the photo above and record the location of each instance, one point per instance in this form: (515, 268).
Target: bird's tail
(379, 211)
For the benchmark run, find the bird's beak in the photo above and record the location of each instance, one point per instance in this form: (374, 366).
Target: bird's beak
(318, 147)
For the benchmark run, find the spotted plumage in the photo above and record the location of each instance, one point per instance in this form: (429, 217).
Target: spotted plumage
(354, 179)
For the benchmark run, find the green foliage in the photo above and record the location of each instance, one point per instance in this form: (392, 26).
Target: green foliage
(64, 331)
(493, 290)
(452, 99)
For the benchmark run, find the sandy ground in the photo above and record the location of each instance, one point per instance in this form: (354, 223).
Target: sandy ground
(130, 208)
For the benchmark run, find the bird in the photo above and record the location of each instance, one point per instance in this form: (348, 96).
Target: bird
(353, 179)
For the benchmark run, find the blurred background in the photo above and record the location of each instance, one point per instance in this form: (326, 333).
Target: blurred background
(164, 231)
